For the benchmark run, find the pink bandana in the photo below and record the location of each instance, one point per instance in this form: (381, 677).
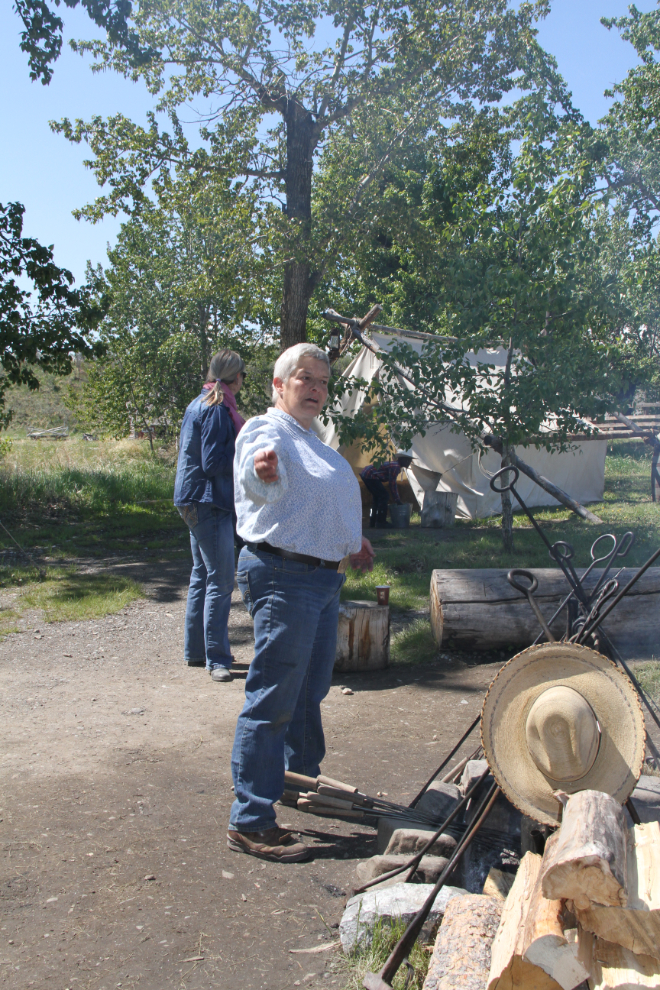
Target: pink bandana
(230, 402)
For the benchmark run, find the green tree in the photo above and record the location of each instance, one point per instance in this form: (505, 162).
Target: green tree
(178, 287)
(42, 326)
(518, 265)
(278, 84)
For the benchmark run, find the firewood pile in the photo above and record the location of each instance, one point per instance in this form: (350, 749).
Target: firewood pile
(588, 909)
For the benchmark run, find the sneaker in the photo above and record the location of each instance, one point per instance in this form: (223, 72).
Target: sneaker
(196, 663)
(219, 674)
(275, 844)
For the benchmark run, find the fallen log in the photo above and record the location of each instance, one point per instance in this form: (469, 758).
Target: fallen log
(616, 968)
(531, 949)
(637, 925)
(477, 609)
(586, 859)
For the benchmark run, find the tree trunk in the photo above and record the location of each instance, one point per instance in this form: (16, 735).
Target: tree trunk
(298, 278)
(507, 506)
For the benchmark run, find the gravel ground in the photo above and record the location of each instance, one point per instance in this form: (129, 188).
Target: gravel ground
(116, 794)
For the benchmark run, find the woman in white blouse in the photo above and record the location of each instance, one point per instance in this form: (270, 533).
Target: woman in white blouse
(299, 511)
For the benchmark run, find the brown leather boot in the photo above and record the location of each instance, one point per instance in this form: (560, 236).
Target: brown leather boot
(275, 844)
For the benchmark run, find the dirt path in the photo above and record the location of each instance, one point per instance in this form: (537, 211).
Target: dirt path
(116, 795)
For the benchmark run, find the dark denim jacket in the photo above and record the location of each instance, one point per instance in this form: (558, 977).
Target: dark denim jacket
(204, 471)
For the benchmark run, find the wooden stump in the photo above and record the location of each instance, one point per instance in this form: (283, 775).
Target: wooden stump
(477, 609)
(363, 637)
(439, 509)
(586, 860)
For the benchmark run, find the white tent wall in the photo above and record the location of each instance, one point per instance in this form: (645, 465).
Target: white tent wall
(444, 461)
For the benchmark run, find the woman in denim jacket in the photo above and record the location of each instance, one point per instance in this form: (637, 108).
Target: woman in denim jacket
(204, 495)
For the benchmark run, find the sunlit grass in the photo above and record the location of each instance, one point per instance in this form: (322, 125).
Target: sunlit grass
(405, 558)
(69, 596)
(414, 644)
(372, 958)
(76, 498)
(648, 675)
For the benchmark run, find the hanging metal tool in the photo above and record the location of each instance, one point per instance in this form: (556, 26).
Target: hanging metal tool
(513, 577)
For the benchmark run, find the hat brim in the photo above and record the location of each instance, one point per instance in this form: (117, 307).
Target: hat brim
(613, 698)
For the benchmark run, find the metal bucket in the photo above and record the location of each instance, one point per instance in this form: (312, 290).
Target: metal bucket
(400, 515)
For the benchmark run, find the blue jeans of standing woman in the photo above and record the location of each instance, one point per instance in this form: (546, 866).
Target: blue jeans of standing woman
(206, 637)
(295, 609)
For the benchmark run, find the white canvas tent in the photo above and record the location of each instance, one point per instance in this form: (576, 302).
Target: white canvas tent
(444, 461)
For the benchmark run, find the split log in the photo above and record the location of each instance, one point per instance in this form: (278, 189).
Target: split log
(363, 636)
(637, 925)
(531, 949)
(461, 956)
(616, 968)
(585, 860)
(477, 609)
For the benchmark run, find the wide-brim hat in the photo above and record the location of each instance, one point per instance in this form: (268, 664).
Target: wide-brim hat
(562, 717)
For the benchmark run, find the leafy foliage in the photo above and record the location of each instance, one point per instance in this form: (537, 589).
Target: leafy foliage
(279, 84)
(177, 285)
(45, 332)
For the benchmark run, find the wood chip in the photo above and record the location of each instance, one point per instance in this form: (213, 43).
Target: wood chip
(316, 948)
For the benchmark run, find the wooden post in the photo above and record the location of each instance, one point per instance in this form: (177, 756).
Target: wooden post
(586, 860)
(363, 637)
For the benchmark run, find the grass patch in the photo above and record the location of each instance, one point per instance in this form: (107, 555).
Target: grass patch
(405, 558)
(68, 596)
(74, 498)
(414, 644)
(648, 675)
(371, 959)
(63, 595)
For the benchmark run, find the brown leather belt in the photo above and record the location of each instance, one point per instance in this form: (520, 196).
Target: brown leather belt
(302, 558)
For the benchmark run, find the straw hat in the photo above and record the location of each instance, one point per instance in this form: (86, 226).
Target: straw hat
(562, 717)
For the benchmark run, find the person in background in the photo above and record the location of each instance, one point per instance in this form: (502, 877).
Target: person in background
(374, 479)
(204, 496)
(299, 511)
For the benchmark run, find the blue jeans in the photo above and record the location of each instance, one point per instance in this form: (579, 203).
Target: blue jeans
(295, 608)
(206, 637)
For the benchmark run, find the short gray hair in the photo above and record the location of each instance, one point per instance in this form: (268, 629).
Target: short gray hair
(289, 360)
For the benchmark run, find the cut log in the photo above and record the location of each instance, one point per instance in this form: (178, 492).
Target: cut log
(477, 609)
(439, 509)
(586, 859)
(637, 925)
(531, 950)
(498, 884)
(363, 636)
(461, 956)
(616, 968)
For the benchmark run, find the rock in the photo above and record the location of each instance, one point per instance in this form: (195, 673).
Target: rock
(400, 902)
(461, 955)
(646, 798)
(411, 840)
(472, 770)
(428, 870)
(439, 800)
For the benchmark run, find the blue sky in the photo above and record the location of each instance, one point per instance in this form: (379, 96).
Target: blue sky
(46, 173)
